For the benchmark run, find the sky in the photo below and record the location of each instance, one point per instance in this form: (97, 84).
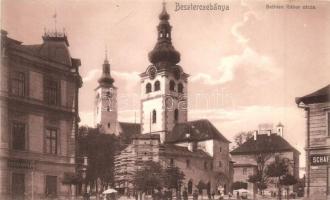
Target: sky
(246, 64)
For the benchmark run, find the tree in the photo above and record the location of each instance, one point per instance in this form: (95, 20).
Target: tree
(200, 186)
(260, 179)
(173, 177)
(242, 137)
(148, 178)
(100, 149)
(288, 180)
(279, 169)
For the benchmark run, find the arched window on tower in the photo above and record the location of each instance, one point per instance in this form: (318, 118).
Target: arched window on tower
(157, 86)
(154, 116)
(180, 88)
(172, 85)
(176, 115)
(148, 88)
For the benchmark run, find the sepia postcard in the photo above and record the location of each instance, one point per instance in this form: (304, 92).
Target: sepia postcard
(165, 99)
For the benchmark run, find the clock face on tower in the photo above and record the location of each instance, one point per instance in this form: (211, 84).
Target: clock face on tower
(169, 103)
(107, 100)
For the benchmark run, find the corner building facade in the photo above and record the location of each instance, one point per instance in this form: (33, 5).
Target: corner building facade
(317, 109)
(39, 118)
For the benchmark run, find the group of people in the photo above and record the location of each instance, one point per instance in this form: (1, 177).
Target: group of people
(167, 195)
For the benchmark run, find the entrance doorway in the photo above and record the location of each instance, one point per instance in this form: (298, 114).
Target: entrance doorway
(18, 186)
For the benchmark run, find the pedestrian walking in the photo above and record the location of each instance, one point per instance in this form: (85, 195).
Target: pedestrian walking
(237, 195)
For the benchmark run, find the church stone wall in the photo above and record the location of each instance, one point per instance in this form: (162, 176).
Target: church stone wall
(196, 171)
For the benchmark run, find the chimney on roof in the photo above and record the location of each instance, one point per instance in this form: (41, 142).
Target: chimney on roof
(255, 133)
(269, 132)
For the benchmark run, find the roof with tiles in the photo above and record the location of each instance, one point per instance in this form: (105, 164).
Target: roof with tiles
(54, 48)
(199, 130)
(265, 144)
(174, 150)
(320, 96)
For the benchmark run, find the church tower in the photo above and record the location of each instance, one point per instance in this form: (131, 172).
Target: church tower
(163, 85)
(105, 114)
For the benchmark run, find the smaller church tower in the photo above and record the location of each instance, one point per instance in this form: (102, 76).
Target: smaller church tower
(280, 129)
(105, 114)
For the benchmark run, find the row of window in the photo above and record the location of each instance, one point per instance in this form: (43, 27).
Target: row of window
(18, 186)
(157, 87)
(19, 138)
(206, 164)
(154, 116)
(18, 87)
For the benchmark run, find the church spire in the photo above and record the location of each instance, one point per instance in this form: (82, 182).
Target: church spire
(106, 78)
(106, 55)
(164, 52)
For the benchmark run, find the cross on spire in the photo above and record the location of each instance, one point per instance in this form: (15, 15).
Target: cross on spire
(106, 52)
(164, 4)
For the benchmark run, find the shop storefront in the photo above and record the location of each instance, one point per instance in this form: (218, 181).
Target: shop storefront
(317, 109)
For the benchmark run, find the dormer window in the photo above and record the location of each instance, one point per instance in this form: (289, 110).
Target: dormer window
(148, 88)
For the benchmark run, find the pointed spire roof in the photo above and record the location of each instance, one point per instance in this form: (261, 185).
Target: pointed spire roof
(106, 61)
(164, 53)
(164, 15)
(106, 79)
